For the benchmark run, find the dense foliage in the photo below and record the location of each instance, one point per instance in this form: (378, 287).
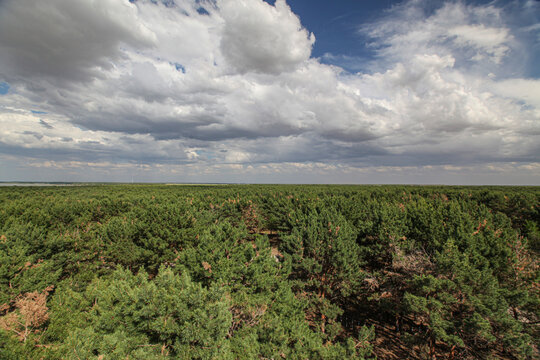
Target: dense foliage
(269, 272)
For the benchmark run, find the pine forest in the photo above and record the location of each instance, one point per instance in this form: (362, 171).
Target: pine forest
(269, 272)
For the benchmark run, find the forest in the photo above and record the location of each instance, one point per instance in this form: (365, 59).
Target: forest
(144, 271)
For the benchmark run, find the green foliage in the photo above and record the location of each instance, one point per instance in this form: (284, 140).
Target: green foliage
(134, 316)
(255, 272)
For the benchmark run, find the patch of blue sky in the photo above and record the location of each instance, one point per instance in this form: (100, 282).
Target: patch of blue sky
(206, 154)
(80, 127)
(202, 11)
(167, 3)
(180, 67)
(4, 88)
(337, 28)
(38, 112)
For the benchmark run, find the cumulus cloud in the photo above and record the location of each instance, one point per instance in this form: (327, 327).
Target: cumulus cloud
(63, 39)
(195, 85)
(263, 38)
(434, 87)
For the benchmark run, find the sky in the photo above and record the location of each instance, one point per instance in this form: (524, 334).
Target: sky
(253, 91)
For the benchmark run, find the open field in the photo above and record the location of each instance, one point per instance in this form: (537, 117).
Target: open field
(269, 271)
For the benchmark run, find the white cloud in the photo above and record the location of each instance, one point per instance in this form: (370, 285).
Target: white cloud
(490, 41)
(183, 89)
(440, 101)
(262, 38)
(526, 90)
(468, 32)
(61, 39)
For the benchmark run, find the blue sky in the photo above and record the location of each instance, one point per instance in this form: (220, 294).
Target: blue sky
(335, 23)
(4, 88)
(336, 26)
(413, 91)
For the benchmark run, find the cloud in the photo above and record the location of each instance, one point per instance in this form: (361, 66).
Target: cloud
(525, 90)
(45, 124)
(435, 87)
(478, 37)
(489, 41)
(66, 40)
(263, 38)
(177, 88)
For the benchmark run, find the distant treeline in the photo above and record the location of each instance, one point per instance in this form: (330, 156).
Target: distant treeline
(269, 272)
